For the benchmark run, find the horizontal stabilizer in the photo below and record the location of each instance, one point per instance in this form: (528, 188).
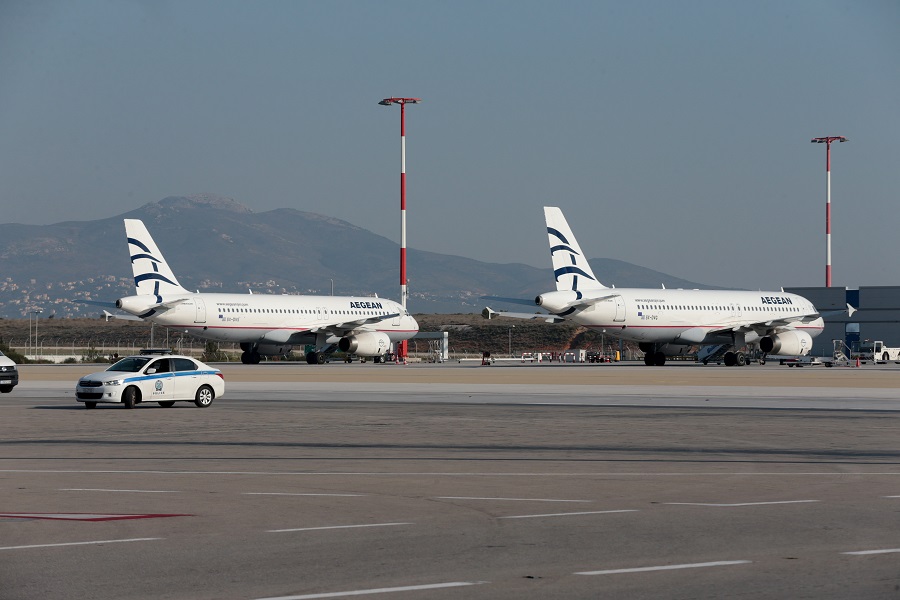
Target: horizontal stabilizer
(521, 301)
(489, 313)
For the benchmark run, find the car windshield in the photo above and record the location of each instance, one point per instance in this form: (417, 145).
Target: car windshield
(132, 364)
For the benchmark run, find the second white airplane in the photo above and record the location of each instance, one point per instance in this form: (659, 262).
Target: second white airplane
(667, 322)
(263, 324)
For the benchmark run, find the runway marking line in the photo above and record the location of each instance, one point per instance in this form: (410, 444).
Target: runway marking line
(408, 588)
(299, 494)
(571, 514)
(80, 543)
(741, 503)
(85, 516)
(456, 474)
(337, 527)
(721, 563)
(869, 552)
(892, 496)
(123, 491)
(509, 499)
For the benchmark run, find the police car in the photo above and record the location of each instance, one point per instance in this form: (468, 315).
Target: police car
(9, 375)
(149, 377)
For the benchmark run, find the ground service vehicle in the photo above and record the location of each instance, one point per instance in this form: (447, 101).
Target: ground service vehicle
(9, 374)
(875, 351)
(163, 379)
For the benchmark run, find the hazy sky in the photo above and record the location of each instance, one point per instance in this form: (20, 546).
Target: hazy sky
(674, 135)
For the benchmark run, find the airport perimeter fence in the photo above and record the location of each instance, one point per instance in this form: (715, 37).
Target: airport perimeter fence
(58, 350)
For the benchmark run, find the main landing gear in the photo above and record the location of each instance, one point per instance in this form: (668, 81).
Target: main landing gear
(249, 356)
(316, 358)
(655, 359)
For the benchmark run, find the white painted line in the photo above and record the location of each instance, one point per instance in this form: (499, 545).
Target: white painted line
(721, 563)
(80, 543)
(841, 475)
(509, 499)
(892, 496)
(409, 588)
(338, 527)
(123, 491)
(741, 503)
(594, 512)
(866, 552)
(293, 494)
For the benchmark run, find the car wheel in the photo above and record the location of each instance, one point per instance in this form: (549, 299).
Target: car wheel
(129, 398)
(6, 389)
(167, 404)
(204, 396)
(90, 405)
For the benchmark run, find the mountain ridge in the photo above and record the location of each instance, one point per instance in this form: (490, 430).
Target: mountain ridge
(214, 243)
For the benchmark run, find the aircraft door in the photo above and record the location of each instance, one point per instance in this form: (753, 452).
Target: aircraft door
(200, 316)
(620, 309)
(320, 313)
(396, 320)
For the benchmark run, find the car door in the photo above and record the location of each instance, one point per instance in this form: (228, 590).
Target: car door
(187, 378)
(158, 381)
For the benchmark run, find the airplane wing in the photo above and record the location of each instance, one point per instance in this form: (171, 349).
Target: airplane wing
(764, 327)
(776, 325)
(341, 328)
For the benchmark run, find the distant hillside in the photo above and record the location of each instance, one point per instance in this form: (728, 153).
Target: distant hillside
(217, 244)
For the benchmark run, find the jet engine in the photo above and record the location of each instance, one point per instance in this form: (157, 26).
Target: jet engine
(366, 344)
(791, 343)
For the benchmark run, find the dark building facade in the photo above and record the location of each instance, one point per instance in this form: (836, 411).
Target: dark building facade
(877, 315)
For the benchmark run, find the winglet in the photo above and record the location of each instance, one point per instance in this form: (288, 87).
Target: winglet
(850, 310)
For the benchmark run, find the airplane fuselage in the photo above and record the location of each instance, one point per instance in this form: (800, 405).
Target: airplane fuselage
(695, 316)
(271, 319)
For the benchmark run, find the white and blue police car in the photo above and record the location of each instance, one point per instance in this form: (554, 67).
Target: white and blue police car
(150, 377)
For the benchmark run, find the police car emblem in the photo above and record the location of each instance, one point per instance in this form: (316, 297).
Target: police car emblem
(159, 385)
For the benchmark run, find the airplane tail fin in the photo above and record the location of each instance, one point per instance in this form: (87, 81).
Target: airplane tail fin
(152, 275)
(570, 267)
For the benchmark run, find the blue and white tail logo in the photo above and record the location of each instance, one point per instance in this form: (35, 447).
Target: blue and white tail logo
(570, 267)
(152, 275)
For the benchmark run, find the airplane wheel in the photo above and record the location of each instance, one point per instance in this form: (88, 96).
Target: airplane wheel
(245, 358)
(648, 359)
(659, 359)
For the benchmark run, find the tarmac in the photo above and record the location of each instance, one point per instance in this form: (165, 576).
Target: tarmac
(459, 481)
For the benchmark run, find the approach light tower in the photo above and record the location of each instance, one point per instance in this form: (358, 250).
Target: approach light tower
(403, 288)
(827, 141)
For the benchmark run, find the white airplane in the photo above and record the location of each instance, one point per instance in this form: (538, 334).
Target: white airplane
(667, 322)
(263, 324)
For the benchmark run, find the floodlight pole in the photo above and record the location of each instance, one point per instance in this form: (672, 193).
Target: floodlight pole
(402, 346)
(827, 141)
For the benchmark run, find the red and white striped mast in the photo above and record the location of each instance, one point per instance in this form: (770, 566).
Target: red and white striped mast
(403, 286)
(827, 141)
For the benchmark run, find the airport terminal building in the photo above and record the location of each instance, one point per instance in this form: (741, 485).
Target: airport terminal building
(877, 316)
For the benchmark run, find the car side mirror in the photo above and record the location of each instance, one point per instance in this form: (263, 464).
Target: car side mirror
(151, 371)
